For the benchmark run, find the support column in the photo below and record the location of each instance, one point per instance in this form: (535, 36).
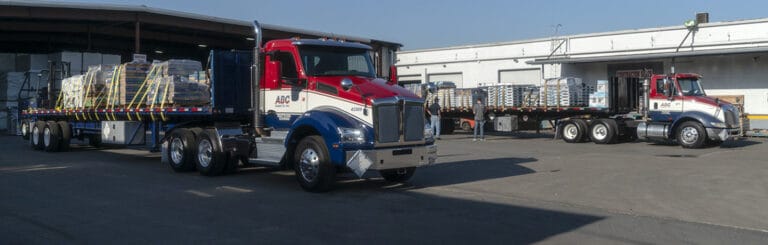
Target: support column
(137, 38)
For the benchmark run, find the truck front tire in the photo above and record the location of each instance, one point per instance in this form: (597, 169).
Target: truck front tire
(398, 175)
(691, 134)
(313, 168)
(181, 150)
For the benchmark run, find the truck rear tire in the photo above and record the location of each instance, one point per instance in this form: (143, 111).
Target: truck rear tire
(398, 175)
(210, 160)
(36, 135)
(25, 129)
(313, 167)
(691, 134)
(181, 150)
(603, 131)
(51, 136)
(574, 131)
(66, 135)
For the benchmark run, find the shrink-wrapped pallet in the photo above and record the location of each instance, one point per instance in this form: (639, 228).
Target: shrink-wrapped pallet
(177, 90)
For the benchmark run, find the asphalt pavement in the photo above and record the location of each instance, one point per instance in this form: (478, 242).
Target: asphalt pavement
(510, 189)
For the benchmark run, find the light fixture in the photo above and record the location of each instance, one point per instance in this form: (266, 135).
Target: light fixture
(202, 45)
(158, 51)
(249, 38)
(690, 24)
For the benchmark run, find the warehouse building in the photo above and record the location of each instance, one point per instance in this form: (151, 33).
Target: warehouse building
(731, 56)
(39, 39)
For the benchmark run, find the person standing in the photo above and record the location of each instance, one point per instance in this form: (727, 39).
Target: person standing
(434, 118)
(479, 110)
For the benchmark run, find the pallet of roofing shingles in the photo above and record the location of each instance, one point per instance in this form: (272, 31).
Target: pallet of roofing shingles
(72, 92)
(178, 91)
(130, 78)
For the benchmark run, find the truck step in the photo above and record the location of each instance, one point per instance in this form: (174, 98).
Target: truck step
(269, 151)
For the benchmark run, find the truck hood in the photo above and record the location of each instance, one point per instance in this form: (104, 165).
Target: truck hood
(709, 101)
(370, 88)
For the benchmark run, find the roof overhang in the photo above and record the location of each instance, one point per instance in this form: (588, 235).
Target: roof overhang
(646, 56)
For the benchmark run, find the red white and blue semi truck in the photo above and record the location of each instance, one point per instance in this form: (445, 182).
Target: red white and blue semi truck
(668, 108)
(312, 105)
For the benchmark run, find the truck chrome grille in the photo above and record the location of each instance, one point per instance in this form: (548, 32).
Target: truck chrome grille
(398, 121)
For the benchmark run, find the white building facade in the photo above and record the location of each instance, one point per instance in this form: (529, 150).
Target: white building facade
(732, 57)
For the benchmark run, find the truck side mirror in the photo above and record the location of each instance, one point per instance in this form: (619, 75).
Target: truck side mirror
(392, 75)
(346, 84)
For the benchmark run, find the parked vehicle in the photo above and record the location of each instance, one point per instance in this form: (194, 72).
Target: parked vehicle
(660, 108)
(311, 105)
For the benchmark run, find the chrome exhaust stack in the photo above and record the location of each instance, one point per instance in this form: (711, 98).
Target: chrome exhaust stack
(646, 100)
(258, 124)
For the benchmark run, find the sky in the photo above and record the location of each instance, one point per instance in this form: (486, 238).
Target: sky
(424, 24)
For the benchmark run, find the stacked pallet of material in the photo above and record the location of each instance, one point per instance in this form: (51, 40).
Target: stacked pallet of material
(463, 98)
(531, 96)
(565, 92)
(447, 97)
(131, 77)
(72, 92)
(599, 98)
(170, 84)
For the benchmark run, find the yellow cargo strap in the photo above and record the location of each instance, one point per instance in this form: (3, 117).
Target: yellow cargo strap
(110, 105)
(143, 87)
(87, 92)
(162, 101)
(61, 92)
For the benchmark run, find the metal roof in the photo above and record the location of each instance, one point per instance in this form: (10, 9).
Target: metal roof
(158, 11)
(650, 56)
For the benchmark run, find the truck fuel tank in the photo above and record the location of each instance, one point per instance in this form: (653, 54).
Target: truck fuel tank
(652, 130)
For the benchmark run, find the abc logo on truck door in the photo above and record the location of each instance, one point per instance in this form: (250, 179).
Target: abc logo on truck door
(283, 101)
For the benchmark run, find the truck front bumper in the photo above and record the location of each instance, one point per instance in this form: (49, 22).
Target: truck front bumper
(722, 134)
(391, 158)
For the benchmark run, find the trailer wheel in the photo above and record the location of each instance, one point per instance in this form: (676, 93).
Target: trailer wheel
(313, 167)
(181, 150)
(51, 136)
(66, 135)
(603, 131)
(691, 134)
(25, 129)
(574, 131)
(210, 160)
(36, 135)
(398, 175)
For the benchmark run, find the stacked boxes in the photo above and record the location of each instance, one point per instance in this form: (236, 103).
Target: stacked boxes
(170, 84)
(599, 98)
(132, 75)
(565, 92)
(531, 96)
(507, 95)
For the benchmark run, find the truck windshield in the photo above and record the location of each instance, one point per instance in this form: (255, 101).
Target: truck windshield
(690, 86)
(336, 61)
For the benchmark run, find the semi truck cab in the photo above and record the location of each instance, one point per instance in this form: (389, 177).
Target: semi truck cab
(322, 109)
(679, 108)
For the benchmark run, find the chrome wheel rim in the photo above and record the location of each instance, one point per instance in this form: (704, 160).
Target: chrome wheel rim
(47, 136)
(309, 164)
(689, 135)
(570, 131)
(600, 131)
(177, 151)
(204, 153)
(35, 133)
(24, 129)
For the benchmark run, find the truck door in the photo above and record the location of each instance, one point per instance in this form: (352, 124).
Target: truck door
(665, 102)
(285, 98)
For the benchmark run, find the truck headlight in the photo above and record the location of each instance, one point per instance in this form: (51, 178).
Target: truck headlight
(718, 124)
(351, 135)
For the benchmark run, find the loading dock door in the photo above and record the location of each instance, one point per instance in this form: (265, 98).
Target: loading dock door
(456, 78)
(526, 76)
(409, 79)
